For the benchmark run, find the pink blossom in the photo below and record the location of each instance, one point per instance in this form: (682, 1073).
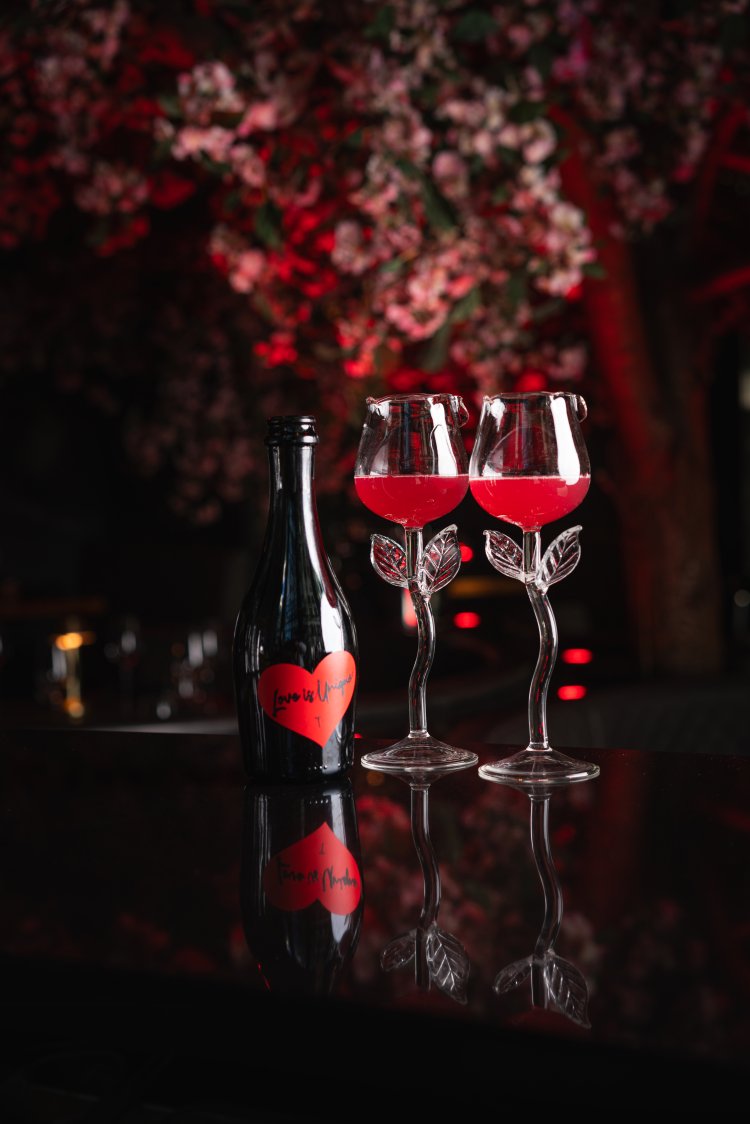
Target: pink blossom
(452, 175)
(247, 164)
(261, 116)
(194, 140)
(521, 37)
(113, 189)
(573, 66)
(349, 253)
(246, 271)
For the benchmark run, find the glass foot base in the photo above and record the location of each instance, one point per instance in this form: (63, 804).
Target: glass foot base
(538, 768)
(419, 756)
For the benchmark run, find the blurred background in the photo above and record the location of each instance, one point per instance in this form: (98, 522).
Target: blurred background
(212, 212)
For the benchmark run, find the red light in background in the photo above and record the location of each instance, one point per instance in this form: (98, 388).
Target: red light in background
(576, 655)
(408, 616)
(571, 691)
(531, 380)
(466, 552)
(357, 735)
(566, 833)
(467, 620)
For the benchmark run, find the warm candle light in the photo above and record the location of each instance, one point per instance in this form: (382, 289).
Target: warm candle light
(70, 641)
(70, 644)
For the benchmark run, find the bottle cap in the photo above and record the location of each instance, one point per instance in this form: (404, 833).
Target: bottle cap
(292, 429)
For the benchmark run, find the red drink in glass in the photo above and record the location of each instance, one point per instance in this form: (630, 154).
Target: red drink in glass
(529, 501)
(411, 501)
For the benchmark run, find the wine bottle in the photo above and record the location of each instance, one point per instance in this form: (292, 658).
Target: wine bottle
(295, 646)
(301, 888)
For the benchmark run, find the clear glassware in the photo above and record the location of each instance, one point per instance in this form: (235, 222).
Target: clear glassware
(439, 959)
(529, 466)
(556, 983)
(411, 468)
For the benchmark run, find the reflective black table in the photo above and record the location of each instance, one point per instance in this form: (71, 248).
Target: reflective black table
(137, 986)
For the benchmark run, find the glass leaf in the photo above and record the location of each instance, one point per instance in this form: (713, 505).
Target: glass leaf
(389, 560)
(399, 952)
(440, 561)
(567, 988)
(512, 976)
(504, 554)
(560, 558)
(448, 963)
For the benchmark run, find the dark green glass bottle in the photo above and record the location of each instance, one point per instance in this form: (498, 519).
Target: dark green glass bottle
(295, 646)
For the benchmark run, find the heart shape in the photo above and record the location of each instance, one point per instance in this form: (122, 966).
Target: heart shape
(316, 868)
(310, 703)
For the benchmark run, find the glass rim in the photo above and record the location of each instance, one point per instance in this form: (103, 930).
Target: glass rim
(419, 397)
(522, 395)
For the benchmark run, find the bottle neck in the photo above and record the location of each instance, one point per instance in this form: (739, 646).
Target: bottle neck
(292, 501)
(292, 473)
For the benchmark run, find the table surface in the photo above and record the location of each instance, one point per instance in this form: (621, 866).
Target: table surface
(133, 994)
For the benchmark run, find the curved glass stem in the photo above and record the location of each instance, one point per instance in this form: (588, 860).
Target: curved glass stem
(556, 984)
(547, 625)
(548, 876)
(420, 830)
(419, 755)
(425, 636)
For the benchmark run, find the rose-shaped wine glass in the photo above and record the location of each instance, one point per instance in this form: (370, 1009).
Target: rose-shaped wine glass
(530, 466)
(412, 468)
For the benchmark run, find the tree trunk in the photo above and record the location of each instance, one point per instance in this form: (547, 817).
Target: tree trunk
(662, 475)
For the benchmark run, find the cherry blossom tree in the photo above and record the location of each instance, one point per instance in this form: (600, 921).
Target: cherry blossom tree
(412, 193)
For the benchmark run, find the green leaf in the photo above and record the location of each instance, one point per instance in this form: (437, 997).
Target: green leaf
(383, 24)
(473, 26)
(466, 307)
(547, 310)
(214, 166)
(527, 111)
(594, 269)
(516, 288)
(429, 92)
(435, 353)
(233, 200)
(395, 265)
(267, 225)
(541, 58)
(354, 140)
(437, 208)
(170, 103)
(408, 168)
(163, 152)
(381, 359)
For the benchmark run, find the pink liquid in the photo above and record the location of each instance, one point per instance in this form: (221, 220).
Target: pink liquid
(528, 501)
(411, 501)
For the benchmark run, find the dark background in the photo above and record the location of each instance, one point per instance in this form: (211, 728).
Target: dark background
(109, 529)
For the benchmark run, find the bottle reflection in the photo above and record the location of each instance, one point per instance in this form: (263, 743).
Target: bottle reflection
(301, 886)
(556, 984)
(438, 957)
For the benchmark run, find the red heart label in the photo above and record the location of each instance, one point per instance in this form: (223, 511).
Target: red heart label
(310, 703)
(316, 868)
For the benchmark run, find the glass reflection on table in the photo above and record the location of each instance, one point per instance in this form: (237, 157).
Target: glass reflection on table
(439, 958)
(556, 983)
